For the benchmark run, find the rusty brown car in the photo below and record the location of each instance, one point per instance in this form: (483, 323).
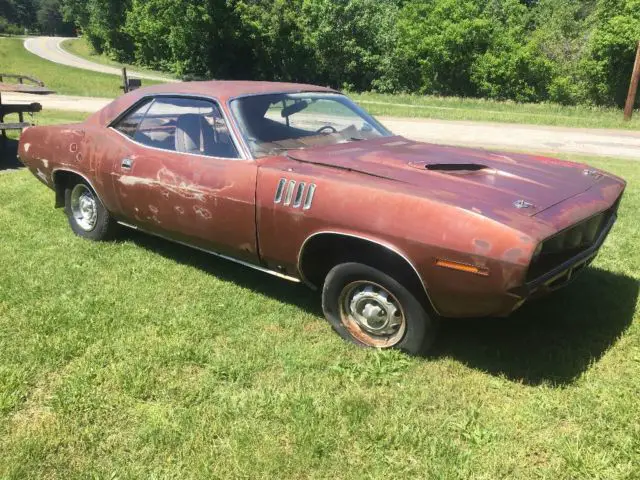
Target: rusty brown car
(299, 182)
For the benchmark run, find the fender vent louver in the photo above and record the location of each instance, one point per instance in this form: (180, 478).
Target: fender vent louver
(289, 195)
(298, 198)
(280, 190)
(308, 200)
(295, 194)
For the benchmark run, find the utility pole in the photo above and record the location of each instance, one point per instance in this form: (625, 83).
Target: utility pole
(633, 87)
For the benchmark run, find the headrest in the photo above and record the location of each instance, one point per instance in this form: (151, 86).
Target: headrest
(193, 133)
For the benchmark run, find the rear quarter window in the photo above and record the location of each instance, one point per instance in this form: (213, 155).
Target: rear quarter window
(129, 124)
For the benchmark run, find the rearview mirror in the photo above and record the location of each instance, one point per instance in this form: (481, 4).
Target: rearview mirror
(295, 108)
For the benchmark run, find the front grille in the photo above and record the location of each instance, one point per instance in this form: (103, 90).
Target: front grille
(569, 243)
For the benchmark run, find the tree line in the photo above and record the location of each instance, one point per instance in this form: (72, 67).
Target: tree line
(41, 16)
(565, 51)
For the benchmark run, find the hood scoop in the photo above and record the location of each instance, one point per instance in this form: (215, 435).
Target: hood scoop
(450, 167)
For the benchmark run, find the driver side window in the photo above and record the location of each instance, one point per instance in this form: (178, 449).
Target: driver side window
(180, 124)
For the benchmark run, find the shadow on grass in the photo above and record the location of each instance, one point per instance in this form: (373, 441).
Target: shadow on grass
(262, 283)
(552, 340)
(9, 154)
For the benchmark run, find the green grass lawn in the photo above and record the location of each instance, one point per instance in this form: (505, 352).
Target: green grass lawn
(52, 117)
(45, 117)
(82, 48)
(14, 58)
(144, 359)
(472, 109)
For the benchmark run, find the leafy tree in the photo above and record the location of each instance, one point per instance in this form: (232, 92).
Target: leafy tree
(50, 20)
(560, 32)
(569, 51)
(511, 67)
(75, 11)
(338, 43)
(207, 41)
(278, 37)
(25, 13)
(439, 42)
(7, 10)
(102, 22)
(612, 47)
(351, 40)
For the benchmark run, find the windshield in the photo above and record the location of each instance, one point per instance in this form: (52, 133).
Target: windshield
(289, 121)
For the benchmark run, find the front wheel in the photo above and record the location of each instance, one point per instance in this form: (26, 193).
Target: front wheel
(372, 309)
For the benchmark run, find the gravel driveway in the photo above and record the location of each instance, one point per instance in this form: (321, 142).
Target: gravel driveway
(551, 140)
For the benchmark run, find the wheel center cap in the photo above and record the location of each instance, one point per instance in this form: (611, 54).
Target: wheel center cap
(370, 314)
(375, 316)
(86, 206)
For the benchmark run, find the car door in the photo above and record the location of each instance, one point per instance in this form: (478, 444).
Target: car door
(182, 176)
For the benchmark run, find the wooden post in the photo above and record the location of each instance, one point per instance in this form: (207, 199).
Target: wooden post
(633, 87)
(125, 80)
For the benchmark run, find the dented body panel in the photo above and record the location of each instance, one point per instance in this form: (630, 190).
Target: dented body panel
(433, 206)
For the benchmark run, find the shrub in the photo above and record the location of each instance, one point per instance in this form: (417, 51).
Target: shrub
(567, 51)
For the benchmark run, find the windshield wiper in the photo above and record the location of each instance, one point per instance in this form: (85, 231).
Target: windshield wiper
(284, 149)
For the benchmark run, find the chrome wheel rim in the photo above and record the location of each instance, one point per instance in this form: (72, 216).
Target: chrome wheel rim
(84, 207)
(372, 314)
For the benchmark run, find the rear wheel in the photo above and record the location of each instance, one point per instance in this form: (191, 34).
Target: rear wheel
(372, 309)
(87, 216)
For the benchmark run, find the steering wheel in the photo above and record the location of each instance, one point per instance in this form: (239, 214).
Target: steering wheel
(327, 127)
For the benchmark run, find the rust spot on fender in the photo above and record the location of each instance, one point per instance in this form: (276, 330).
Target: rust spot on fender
(202, 212)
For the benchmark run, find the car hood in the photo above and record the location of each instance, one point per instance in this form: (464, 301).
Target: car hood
(471, 178)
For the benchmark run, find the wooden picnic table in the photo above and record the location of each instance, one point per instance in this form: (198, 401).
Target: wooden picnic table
(35, 86)
(20, 109)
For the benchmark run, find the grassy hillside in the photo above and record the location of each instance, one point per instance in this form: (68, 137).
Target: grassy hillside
(473, 109)
(81, 48)
(14, 58)
(144, 359)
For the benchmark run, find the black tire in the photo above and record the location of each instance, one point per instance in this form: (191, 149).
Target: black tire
(418, 327)
(103, 227)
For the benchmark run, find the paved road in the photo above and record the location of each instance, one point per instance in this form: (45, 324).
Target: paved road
(613, 143)
(49, 48)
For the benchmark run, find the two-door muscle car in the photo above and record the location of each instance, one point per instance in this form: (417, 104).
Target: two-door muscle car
(300, 182)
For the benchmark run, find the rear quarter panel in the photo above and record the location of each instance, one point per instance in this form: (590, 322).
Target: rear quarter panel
(46, 149)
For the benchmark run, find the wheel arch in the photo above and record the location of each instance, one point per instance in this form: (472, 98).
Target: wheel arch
(336, 247)
(61, 177)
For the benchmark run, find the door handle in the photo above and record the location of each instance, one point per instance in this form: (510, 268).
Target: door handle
(126, 163)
